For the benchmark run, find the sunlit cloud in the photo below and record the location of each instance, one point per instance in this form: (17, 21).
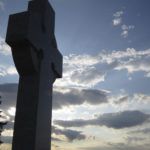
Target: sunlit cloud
(141, 98)
(125, 30)
(6, 146)
(87, 70)
(117, 18)
(78, 74)
(4, 117)
(118, 14)
(4, 48)
(12, 111)
(7, 70)
(116, 21)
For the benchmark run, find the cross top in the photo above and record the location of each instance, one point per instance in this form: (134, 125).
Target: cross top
(31, 35)
(45, 12)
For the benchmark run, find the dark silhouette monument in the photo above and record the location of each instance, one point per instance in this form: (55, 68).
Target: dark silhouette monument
(38, 61)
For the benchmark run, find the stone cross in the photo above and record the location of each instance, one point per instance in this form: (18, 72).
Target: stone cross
(38, 61)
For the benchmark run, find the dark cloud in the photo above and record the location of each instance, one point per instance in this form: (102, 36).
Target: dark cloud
(9, 125)
(7, 139)
(143, 131)
(9, 88)
(56, 139)
(78, 97)
(134, 139)
(122, 99)
(118, 146)
(117, 120)
(72, 96)
(54, 145)
(8, 92)
(69, 134)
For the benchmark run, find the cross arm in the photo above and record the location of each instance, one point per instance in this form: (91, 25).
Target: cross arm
(57, 62)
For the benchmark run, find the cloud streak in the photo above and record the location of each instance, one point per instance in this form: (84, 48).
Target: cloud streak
(117, 120)
(69, 134)
(140, 131)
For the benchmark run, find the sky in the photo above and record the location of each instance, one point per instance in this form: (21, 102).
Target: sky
(103, 100)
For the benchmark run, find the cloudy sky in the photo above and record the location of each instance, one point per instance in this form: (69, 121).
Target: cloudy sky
(103, 100)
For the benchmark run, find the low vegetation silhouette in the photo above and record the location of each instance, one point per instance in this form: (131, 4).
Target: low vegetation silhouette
(2, 123)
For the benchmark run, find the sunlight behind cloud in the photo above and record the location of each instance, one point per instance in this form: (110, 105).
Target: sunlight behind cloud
(12, 111)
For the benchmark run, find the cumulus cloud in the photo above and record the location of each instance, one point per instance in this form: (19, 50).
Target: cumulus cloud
(7, 70)
(117, 18)
(130, 59)
(4, 48)
(126, 100)
(125, 27)
(80, 70)
(84, 74)
(118, 14)
(121, 99)
(116, 21)
(69, 134)
(87, 70)
(141, 98)
(117, 120)
(125, 30)
(92, 75)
